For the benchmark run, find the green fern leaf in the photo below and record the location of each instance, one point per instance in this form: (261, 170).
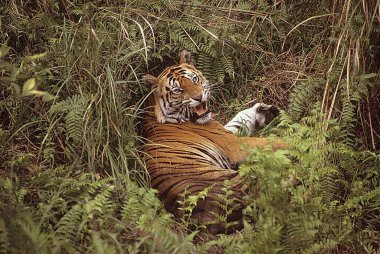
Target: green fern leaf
(38, 242)
(74, 109)
(302, 97)
(347, 129)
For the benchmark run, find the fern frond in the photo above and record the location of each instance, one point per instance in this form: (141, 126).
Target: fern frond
(131, 207)
(38, 242)
(244, 5)
(139, 201)
(182, 40)
(94, 186)
(370, 199)
(74, 109)
(324, 246)
(208, 48)
(333, 184)
(99, 245)
(218, 71)
(347, 124)
(301, 231)
(74, 123)
(68, 225)
(228, 65)
(303, 96)
(205, 63)
(100, 204)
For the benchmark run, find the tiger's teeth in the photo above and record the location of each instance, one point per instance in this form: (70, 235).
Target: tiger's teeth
(201, 109)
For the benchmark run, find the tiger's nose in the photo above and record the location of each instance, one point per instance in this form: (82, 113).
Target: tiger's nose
(198, 98)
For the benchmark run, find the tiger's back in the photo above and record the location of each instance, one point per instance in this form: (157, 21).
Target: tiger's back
(191, 157)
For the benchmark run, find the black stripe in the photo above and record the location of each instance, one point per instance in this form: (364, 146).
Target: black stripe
(178, 174)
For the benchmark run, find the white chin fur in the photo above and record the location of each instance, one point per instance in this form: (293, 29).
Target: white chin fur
(204, 119)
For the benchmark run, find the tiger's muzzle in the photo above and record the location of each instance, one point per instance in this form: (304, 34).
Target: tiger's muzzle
(201, 114)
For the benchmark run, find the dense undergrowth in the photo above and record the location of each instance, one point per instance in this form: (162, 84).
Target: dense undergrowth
(71, 175)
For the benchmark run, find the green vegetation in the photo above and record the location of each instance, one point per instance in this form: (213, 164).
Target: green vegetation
(72, 178)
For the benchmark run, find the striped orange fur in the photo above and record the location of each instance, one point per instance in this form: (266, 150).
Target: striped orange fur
(186, 155)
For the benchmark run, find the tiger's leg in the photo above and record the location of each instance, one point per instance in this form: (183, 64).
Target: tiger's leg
(210, 195)
(253, 142)
(247, 143)
(245, 122)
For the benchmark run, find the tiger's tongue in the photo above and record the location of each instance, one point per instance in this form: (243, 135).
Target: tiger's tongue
(200, 109)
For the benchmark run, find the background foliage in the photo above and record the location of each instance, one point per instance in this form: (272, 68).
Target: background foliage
(71, 176)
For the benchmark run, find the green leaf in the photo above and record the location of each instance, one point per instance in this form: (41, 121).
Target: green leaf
(34, 57)
(29, 85)
(4, 50)
(48, 97)
(367, 76)
(25, 61)
(35, 92)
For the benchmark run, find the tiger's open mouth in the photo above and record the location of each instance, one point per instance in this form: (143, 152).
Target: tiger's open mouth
(201, 114)
(200, 109)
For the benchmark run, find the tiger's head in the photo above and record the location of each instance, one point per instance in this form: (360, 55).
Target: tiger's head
(180, 93)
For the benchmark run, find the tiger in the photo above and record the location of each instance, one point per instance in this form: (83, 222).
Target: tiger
(188, 151)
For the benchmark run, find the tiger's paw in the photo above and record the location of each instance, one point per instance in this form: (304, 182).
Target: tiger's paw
(254, 118)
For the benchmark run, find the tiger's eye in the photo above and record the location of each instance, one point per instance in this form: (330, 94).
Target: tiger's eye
(177, 90)
(195, 79)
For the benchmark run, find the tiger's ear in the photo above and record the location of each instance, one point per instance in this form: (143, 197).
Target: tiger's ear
(150, 81)
(185, 57)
